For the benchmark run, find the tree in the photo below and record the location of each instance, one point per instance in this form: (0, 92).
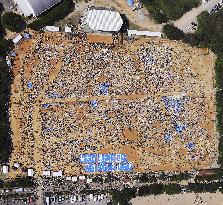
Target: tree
(13, 22)
(173, 32)
(172, 189)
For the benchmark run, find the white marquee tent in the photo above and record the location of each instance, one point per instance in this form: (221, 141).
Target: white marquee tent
(103, 20)
(35, 7)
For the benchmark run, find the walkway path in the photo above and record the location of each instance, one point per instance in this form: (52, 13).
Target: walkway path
(191, 16)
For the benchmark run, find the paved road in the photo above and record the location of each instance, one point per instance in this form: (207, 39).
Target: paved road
(191, 16)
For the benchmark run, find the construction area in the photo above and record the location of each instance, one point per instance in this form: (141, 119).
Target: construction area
(80, 107)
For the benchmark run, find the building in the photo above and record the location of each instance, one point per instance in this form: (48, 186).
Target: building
(102, 19)
(34, 7)
(17, 38)
(51, 28)
(5, 169)
(144, 33)
(58, 174)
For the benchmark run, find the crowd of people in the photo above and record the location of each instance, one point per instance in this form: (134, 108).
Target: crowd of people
(99, 91)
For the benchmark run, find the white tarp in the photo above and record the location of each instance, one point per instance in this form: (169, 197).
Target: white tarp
(52, 28)
(58, 174)
(144, 33)
(17, 38)
(103, 20)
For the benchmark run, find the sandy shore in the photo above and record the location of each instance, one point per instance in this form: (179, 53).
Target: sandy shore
(180, 199)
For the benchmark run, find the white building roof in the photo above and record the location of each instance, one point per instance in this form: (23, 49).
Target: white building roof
(144, 33)
(35, 7)
(16, 40)
(30, 172)
(103, 20)
(5, 169)
(68, 29)
(58, 174)
(52, 28)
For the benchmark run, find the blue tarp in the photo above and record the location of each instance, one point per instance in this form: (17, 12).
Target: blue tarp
(190, 146)
(109, 167)
(30, 85)
(90, 168)
(26, 35)
(179, 128)
(126, 167)
(13, 54)
(88, 158)
(104, 88)
(172, 103)
(168, 138)
(94, 103)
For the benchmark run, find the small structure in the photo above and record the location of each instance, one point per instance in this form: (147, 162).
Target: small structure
(74, 179)
(82, 177)
(46, 173)
(16, 165)
(102, 19)
(30, 172)
(58, 174)
(52, 28)
(144, 33)
(68, 29)
(17, 38)
(68, 178)
(89, 180)
(5, 169)
(35, 7)
(91, 196)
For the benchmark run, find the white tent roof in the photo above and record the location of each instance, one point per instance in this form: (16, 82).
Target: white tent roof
(30, 172)
(35, 7)
(5, 169)
(103, 20)
(52, 28)
(16, 40)
(58, 174)
(144, 33)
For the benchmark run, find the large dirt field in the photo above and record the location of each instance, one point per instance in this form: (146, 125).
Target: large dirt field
(153, 100)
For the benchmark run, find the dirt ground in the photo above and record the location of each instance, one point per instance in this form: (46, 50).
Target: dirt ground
(126, 120)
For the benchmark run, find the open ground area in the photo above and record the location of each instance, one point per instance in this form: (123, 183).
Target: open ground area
(152, 100)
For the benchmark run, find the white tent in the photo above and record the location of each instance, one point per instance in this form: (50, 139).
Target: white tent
(30, 172)
(5, 169)
(103, 20)
(68, 29)
(52, 28)
(58, 174)
(144, 33)
(34, 7)
(46, 173)
(17, 38)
